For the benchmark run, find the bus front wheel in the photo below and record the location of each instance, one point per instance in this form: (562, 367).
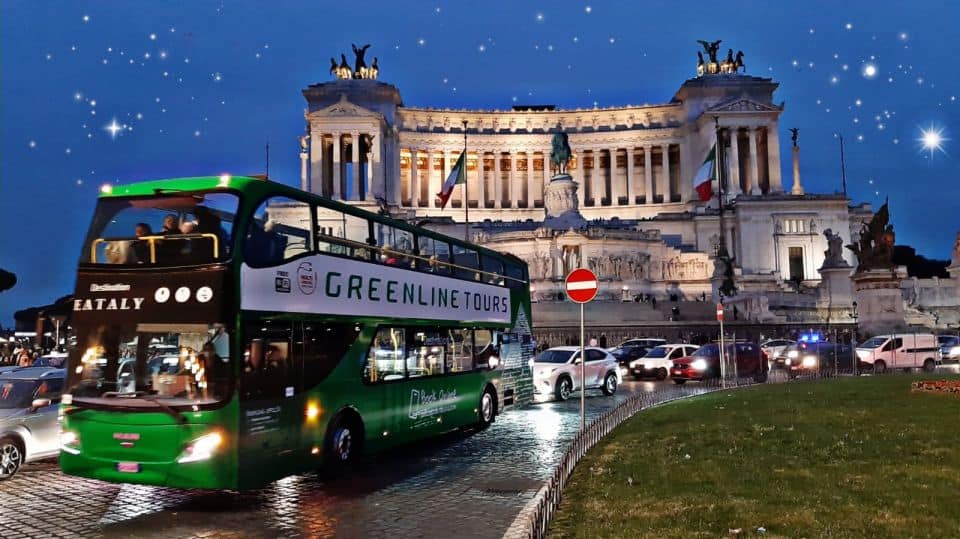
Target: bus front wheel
(488, 408)
(343, 442)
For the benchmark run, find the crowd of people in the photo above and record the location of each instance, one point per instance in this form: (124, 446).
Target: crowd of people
(21, 354)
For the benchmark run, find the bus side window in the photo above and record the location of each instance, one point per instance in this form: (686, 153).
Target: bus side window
(324, 345)
(434, 256)
(341, 233)
(426, 351)
(493, 270)
(386, 357)
(459, 351)
(268, 366)
(273, 237)
(518, 277)
(396, 245)
(466, 260)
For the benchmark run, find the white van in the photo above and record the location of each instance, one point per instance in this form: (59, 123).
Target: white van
(900, 351)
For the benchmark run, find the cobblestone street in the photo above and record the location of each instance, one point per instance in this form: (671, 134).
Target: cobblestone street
(470, 484)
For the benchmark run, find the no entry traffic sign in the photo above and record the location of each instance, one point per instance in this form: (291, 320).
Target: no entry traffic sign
(719, 312)
(581, 285)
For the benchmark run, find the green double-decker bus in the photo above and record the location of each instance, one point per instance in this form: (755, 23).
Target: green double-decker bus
(231, 331)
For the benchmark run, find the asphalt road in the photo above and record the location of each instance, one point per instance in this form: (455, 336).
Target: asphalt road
(468, 484)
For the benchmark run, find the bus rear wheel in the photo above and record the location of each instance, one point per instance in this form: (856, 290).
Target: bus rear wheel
(488, 408)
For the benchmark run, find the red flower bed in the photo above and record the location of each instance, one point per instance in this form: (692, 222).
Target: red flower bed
(939, 386)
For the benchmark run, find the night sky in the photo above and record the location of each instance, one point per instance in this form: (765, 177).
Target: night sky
(125, 91)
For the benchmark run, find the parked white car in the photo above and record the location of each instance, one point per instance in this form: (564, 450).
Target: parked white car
(556, 371)
(900, 351)
(657, 362)
(775, 348)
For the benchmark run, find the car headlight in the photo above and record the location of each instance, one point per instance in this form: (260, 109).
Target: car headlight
(809, 361)
(955, 351)
(699, 364)
(202, 448)
(70, 442)
(793, 354)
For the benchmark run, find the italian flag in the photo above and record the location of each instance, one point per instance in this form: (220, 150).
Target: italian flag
(702, 181)
(458, 174)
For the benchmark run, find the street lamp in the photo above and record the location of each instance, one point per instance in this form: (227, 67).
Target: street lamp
(853, 342)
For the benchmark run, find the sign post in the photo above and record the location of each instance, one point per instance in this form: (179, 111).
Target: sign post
(581, 286)
(723, 362)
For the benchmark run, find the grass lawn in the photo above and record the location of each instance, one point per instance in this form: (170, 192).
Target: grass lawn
(853, 457)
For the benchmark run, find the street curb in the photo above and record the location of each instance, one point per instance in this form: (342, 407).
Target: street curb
(533, 519)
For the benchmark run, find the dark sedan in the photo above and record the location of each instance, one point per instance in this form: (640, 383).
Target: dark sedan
(823, 358)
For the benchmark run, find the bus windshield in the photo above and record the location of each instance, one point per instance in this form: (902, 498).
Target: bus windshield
(172, 364)
(168, 230)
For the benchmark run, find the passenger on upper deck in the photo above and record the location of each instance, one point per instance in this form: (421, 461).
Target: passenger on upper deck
(141, 248)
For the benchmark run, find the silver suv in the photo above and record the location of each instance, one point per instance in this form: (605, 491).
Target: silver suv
(29, 398)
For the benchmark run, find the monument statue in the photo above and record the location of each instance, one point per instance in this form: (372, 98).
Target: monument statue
(334, 69)
(730, 56)
(360, 66)
(699, 60)
(560, 152)
(304, 141)
(374, 68)
(344, 68)
(711, 48)
(738, 63)
(833, 256)
(874, 250)
(794, 135)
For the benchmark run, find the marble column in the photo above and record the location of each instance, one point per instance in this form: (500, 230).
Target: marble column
(595, 179)
(631, 179)
(665, 180)
(481, 193)
(686, 181)
(497, 180)
(616, 186)
(304, 179)
(431, 181)
(773, 159)
(376, 172)
(414, 180)
(648, 173)
(337, 166)
(528, 181)
(355, 161)
(464, 192)
(316, 164)
(512, 186)
(754, 162)
(733, 182)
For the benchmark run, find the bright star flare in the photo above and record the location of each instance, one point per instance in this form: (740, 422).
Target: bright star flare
(932, 139)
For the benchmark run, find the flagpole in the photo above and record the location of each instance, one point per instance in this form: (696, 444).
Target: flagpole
(466, 191)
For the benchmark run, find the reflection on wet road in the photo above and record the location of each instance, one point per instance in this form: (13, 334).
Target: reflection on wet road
(475, 481)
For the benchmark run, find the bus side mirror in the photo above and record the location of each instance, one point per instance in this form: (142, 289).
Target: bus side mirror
(39, 403)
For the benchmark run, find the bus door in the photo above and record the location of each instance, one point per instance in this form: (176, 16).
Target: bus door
(385, 374)
(269, 417)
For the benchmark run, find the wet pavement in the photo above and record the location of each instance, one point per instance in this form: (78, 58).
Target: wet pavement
(469, 484)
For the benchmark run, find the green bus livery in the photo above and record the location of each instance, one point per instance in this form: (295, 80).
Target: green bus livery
(232, 331)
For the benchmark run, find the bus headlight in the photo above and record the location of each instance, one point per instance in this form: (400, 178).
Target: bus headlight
(70, 442)
(809, 362)
(699, 365)
(202, 448)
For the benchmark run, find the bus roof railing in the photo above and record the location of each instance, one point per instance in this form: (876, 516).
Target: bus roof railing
(153, 247)
(416, 257)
